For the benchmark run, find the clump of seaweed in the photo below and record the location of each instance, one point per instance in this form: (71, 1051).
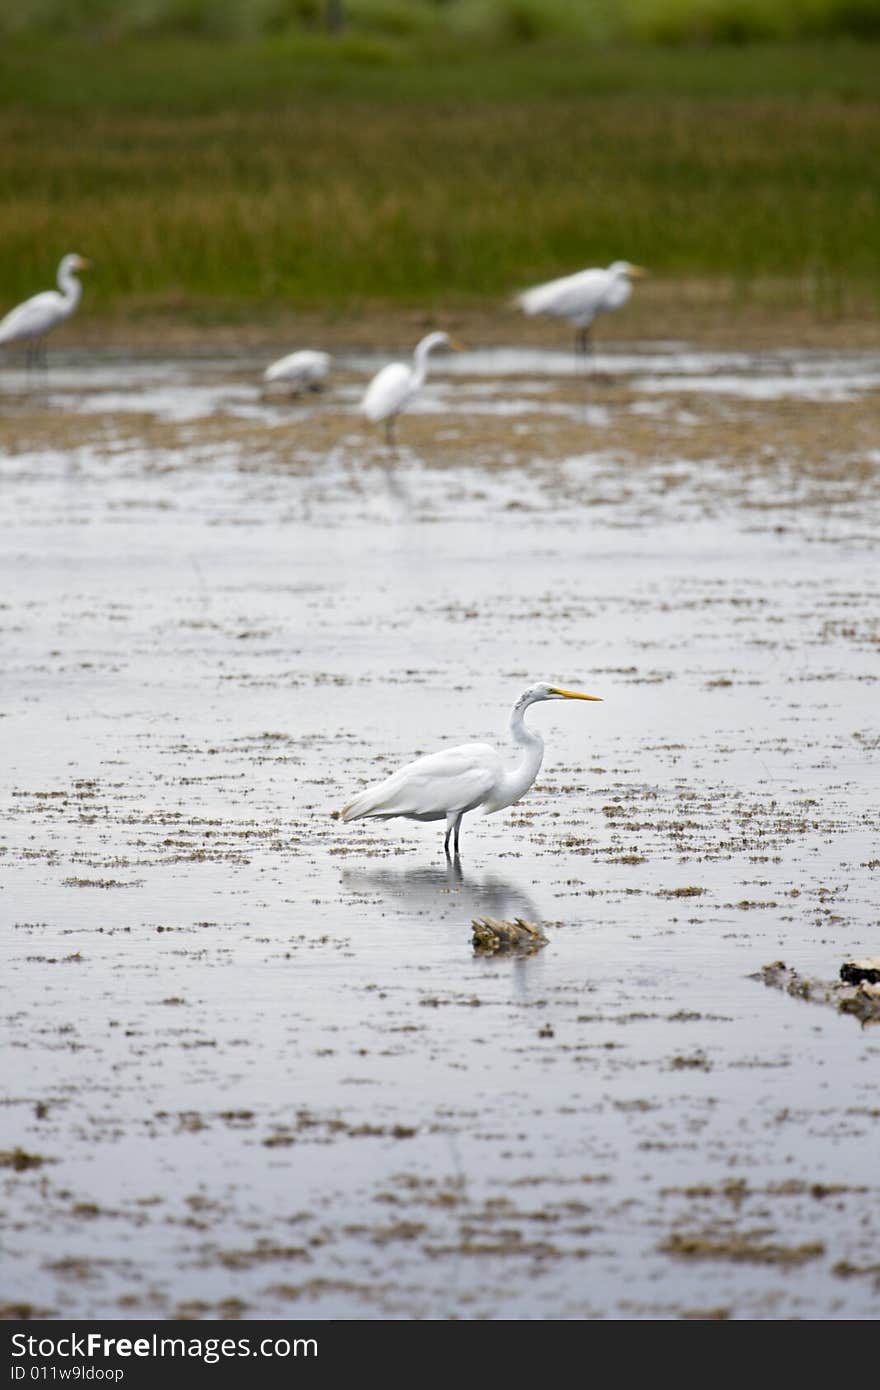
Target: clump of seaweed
(746, 1249)
(854, 993)
(19, 1160)
(855, 972)
(492, 935)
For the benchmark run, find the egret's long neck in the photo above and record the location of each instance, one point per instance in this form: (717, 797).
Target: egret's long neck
(517, 782)
(420, 363)
(70, 288)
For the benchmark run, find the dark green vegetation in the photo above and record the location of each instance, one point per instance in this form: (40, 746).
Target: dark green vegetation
(454, 21)
(221, 179)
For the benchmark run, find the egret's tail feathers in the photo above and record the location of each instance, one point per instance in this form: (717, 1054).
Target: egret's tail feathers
(383, 800)
(530, 301)
(360, 806)
(361, 809)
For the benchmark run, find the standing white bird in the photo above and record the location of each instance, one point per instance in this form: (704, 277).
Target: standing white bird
(579, 298)
(448, 784)
(304, 370)
(392, 389)
(31, 321)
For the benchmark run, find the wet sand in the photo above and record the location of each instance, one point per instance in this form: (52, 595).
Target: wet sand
(257, 1068)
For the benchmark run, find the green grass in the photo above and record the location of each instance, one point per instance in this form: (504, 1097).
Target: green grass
(478, 21)
(222, 178)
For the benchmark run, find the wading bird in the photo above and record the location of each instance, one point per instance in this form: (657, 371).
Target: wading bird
(300, 371)
(446, 785)
(31, 321)
(392, 389)
(579, 298)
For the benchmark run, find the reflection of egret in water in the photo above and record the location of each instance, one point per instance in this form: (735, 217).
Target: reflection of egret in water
(444, 892)
(394, 483)
(447, 897)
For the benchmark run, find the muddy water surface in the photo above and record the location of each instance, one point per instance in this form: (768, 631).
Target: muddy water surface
(254, 1067)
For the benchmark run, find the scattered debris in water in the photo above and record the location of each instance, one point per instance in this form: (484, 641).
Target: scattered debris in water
(854, 972)
(747, 1248)
(20, 1160)
(492, 934)
(861, 998)
(446, 1132)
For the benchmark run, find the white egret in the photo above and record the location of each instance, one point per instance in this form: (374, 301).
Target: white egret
(392, 389)
(448, 784)
(31, 321)
(303, 370)
(579, 298)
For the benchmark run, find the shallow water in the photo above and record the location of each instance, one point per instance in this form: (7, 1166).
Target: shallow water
(263, 1070)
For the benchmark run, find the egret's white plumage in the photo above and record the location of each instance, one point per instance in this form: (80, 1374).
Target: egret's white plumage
(300, 370)
(392, 388)
(581, 297)
(31, 321)
(448, 784)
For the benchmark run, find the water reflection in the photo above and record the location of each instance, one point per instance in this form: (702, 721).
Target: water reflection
(436, 889)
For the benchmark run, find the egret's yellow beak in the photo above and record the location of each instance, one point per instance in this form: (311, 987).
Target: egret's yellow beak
(573, 694)
(637, 272)
(456, 345)
(82, 263)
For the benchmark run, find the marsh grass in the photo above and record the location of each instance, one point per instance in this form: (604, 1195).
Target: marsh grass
(484, 21)
(222, 179)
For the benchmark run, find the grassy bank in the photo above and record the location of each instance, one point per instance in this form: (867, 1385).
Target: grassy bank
(224, 181)
(485, 22)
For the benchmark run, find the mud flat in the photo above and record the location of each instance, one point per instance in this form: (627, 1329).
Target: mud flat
(255, 1067)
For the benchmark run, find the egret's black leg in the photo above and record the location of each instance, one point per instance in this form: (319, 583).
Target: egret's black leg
(389, 432)
(586, 350)
(584, 345)
(453, 827)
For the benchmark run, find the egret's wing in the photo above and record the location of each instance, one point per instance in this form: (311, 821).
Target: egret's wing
(33, 318)
(573, 296)
(616, 293)
(455, 779)
(299, 366)
(387, 392)
(316, 363)
(285, 367)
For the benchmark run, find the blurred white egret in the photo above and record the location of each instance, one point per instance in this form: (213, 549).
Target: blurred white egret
(579, 298)
(448, 784)
(31, 321)
(304, 370)
(392, 389)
